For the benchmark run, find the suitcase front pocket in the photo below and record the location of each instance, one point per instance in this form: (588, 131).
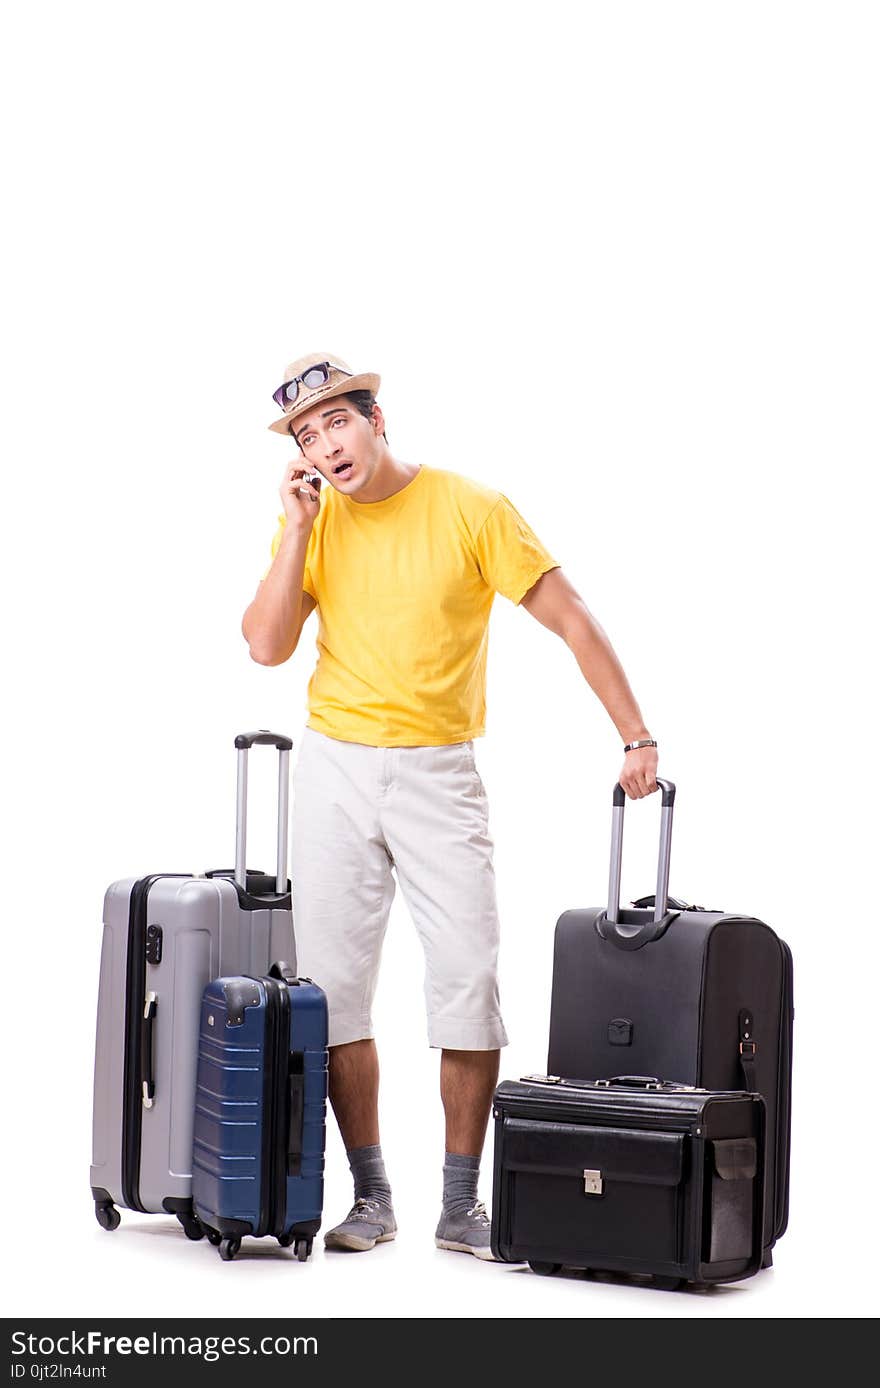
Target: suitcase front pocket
(732, 1170)
(579, 1194)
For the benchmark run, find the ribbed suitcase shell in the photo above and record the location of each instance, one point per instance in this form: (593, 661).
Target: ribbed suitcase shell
(142, 1156)
(666, 1182)
(673, 1008)
(243, 1121)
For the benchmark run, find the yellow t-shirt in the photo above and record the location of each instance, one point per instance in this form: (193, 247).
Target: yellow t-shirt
(404, 588)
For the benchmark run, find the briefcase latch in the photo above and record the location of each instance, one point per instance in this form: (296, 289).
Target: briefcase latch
(592, 1183)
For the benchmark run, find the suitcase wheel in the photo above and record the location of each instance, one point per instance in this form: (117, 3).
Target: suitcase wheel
(285, 1240)
(213, 1237)
(229, 1248)
(107, 1216)
(546, 1269)
(191, 1226)
(668, 1284)
(302, 1248)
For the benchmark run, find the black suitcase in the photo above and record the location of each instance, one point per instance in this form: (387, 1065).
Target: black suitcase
(700, 997)
(633, 1175)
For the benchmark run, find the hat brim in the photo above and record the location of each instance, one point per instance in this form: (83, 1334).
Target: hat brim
(366, 381)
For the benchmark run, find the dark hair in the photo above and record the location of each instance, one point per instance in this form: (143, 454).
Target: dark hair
(363, 401)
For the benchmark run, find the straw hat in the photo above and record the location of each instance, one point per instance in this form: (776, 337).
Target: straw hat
(340, 380)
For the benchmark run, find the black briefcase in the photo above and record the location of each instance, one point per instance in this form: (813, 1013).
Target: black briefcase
(631, 1176)
(698, 996)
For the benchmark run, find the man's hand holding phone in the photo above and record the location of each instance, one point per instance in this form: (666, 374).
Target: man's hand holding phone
(300, 496)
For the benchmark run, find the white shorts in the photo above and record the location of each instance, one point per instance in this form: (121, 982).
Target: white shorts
(360, 811)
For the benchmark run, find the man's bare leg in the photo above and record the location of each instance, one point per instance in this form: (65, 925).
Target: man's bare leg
(467, 1083)
(354, 1092)
(354, 1095)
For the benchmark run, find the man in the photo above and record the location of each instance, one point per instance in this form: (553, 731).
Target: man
(402, 563)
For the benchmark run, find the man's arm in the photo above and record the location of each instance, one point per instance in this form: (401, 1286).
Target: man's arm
(273, 622)
(554, 603)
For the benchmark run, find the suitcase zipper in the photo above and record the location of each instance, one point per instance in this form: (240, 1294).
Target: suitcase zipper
(614, 1118)
(282, 1116)
(783, 1093)
(273, 1185)
(135, 984)
(135, 992)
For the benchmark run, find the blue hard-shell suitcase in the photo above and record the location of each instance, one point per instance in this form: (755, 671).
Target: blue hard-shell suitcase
(259, 1125)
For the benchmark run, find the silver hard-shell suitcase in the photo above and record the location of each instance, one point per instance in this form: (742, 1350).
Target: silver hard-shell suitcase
(165, 937)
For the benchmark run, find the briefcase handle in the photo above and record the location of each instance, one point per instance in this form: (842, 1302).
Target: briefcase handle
(631, 1082)
(609, 924)
(243, 743)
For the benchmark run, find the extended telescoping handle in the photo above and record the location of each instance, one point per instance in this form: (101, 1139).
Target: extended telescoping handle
(660, 899)
(244, 742)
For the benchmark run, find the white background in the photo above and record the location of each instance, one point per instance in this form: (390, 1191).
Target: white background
(618, 260)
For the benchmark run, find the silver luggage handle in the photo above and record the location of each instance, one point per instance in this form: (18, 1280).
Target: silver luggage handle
(244, 742)
(662, 893)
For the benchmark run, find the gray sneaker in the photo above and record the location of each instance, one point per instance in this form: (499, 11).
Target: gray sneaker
(466, 1231)
(366, 1224)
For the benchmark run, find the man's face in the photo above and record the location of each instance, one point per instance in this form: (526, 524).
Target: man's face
(340, 443)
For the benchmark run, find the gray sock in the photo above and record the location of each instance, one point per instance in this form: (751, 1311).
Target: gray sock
(368, 1170)
(460, 1176)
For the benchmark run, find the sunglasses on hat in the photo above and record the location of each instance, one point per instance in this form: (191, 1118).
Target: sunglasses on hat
(311, 378)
